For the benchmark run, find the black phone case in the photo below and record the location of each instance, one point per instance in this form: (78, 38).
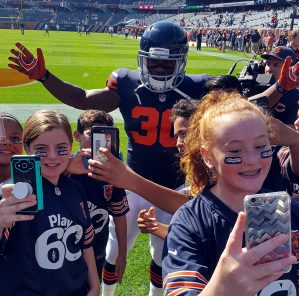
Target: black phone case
(106, 137)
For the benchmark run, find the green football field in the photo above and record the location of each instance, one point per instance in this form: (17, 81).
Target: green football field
(87, 61)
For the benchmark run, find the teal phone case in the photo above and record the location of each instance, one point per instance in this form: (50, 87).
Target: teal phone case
(27, 168)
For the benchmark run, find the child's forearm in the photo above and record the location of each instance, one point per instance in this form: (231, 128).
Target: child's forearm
(161, 231)
(93, 277)
(121, 233)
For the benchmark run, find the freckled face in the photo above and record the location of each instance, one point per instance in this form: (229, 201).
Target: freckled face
(240, 134)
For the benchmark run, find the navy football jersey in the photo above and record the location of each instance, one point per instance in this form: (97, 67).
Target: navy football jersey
(196, 239)
(286, 170)
(102, 200)
(287, 107)
(45, 256)
(147, 116)
(275, 181)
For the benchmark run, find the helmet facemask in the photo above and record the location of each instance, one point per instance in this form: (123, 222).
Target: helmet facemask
(173, 65)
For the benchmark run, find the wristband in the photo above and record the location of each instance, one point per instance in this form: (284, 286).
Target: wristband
(280, 89)
(44, 77)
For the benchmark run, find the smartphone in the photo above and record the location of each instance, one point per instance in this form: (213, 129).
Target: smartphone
(26, 169)
(268, 215)
(106, 137)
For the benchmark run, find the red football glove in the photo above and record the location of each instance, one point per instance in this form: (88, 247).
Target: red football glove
(289, 78)
(26, 63)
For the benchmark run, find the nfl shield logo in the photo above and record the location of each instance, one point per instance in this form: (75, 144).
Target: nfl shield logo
(162, 98)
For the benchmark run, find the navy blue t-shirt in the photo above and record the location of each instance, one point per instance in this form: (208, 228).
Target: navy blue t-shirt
(286, 108)
(286, 170)
(45, 256)
(196, 238)
(147, 116)
(275, 181)
(102, 200)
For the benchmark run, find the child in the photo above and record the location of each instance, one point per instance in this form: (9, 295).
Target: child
(102, 203)
(202, 254)
(181, 116)
(51, 254)
(10, 142)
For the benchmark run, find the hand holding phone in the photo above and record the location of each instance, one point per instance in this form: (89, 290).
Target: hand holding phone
(106, 137)
(26, 175)
(268, 215)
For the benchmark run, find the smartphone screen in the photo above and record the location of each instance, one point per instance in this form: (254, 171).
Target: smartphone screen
(105, 137)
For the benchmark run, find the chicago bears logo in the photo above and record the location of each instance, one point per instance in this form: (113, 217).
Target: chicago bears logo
(108, 190)
(280, 107)
(277, 49)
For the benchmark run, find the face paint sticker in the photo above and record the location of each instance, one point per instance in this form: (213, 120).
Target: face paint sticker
(267, 153)
(232, 160)
(41, 153)
(45, 154)
(62, 152)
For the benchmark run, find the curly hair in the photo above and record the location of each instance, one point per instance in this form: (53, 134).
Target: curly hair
(200, 133)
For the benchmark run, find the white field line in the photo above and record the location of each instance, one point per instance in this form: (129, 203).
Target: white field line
(23, 111)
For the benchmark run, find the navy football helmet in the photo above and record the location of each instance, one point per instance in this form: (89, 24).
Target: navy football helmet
(162, 56)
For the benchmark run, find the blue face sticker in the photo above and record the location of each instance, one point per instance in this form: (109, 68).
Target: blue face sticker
(61, 152)
(232, 160)
(41, 153)
(267, 153)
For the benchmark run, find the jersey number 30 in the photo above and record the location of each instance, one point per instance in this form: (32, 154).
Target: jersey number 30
(157, 129)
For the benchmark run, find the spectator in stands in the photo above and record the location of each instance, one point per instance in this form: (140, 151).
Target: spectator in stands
(294, 42)
(282, 41)
(269, 40)
(255, 41)
(287, 107)
(198, 39)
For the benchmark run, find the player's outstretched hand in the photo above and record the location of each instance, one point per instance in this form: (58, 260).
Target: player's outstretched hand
(24, 62)
(146, 221)
(289, 76)
(110, 170)
(9, 206)
(237, 269)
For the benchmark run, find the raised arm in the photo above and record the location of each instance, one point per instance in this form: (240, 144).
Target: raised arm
(115, 172)
(288, 80)
(34, 67)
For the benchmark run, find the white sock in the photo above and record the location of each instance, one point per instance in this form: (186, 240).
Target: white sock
(154, 291)
(108, 290)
